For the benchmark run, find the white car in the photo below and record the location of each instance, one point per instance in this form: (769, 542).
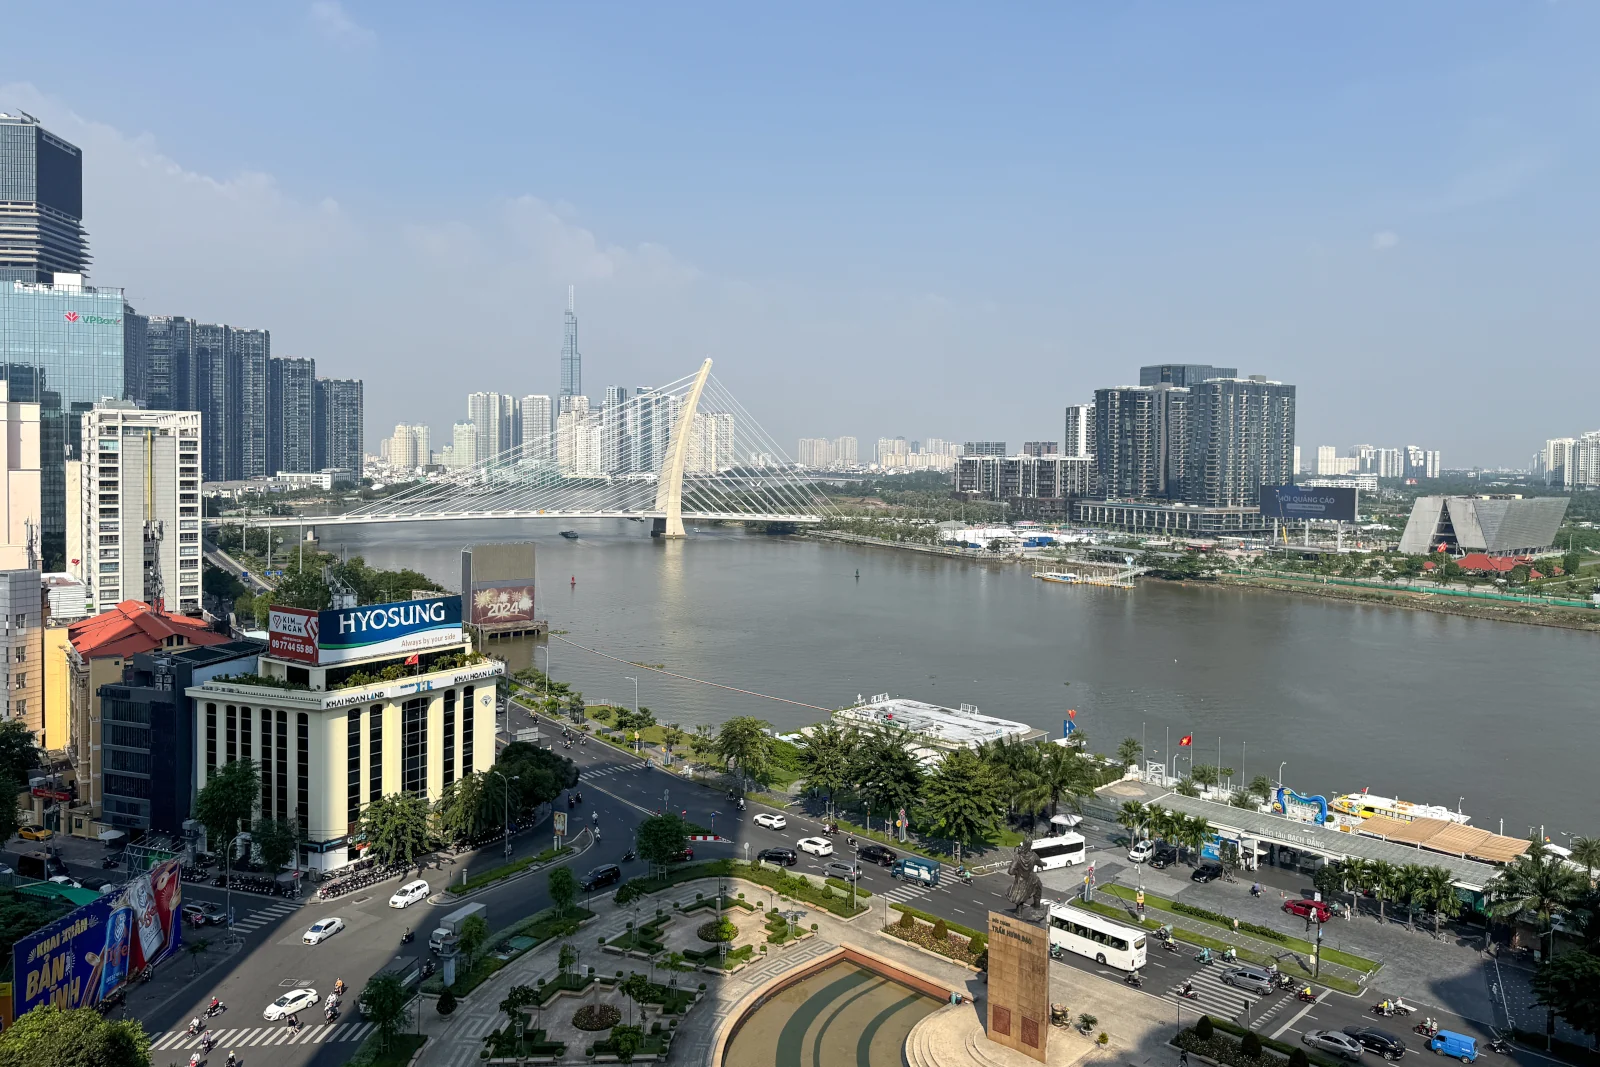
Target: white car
(323, 929)
(817, 846)
(771, 821)
(409, 894)
(291, 1002)
(70, 883)
(1141, 851)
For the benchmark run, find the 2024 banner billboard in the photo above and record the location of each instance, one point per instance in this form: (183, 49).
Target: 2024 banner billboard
(81, 959)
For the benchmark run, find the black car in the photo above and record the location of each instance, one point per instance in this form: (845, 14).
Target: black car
(609, 874)
(1382, 1042)
(1163, 857)
(786, 857)
(1206, 872)
(883, 857)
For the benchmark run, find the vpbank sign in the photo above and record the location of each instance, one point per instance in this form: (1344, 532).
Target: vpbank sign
(92, 320)
(345, 634)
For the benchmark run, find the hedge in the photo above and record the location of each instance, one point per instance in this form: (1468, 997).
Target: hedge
(930, 918)
(844, 887)
(634, 888)
(1222, 920)
(1284, 1047)
(799, 888)
(495, 874)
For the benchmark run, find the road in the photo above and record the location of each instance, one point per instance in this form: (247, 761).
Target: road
(618, 791)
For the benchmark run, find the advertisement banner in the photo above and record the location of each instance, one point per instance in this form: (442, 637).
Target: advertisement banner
(1306, 502)
(292, 634)
(348, 634)
(79, 960)
(499, 602)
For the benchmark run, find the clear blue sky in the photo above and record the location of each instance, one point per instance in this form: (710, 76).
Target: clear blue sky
(928, 220)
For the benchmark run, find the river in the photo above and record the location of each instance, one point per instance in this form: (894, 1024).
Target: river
(1429, 707)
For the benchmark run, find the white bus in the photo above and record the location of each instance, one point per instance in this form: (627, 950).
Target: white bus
(1101, 939)
(1057, 852)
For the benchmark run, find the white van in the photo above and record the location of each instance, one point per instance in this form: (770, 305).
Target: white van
(409, 894)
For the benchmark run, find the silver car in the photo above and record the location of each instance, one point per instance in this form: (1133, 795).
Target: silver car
(1335, 1042)
(1251, 979)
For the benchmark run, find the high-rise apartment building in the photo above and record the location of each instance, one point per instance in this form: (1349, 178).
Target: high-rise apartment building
(891, 451)
(1079, 440)
(571, 359)
(62, 346)
(652, 415)
(463, 449)
(615, 441)
(495, 415)
(1584, 462)
(578, 450)
(291, 416)
(711, 446)
(409, 447)
(162, 375)
(1331, 464)
(340, 431)
(1241, 437)
(1421, 462)
(41, 203)
(1040, 448)
(231, 374)
(814, 452)
(1183, 375)
(138, 536)
(847, 452)
(19, 491)
(1141, 441)
(538, 428)
(984, 448)
(1556, 460)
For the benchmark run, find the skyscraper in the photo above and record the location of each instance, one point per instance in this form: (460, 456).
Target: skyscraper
(571, 360)
(846, 452)
(651, 415)
(339, 434)
(249, 351)
(41, 203)
(230, 391)
(1183, 375)
(291, 416)
(1140, 441)
(578, 452)
(615, 442)
(496, 416)
(537, 428)
(1079, 440)
(1241, 437)
(161, 374)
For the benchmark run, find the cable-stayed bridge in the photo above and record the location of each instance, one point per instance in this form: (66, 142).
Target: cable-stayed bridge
(687, 449)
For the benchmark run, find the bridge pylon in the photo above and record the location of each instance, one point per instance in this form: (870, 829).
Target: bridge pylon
(669, 490)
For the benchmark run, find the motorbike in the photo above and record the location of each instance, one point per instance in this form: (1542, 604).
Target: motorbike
(1205, 958)
(331, 1012)
(1309, 998)
(1056, 952)
(110, 863)
(629, 856)
(1170, 945)
(195, 1059)
(216, 1009)
(1425, 1030)
(195, 1027)
(1500, 1045)
(407, 937)
(1396, 1006)
(428, 968)
(1133, 979)
(1189, 992)
(207, 1042)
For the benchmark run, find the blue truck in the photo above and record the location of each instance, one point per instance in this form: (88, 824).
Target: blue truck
(916, 869)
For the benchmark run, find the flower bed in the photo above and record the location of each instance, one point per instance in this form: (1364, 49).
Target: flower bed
(799, 888)
(717, 930)
(958, 947)
(596, 1017)
(930, 918)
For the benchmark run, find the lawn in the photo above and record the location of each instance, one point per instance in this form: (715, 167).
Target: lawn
(506, 870)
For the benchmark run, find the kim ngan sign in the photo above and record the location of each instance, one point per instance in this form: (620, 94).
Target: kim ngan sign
(80, 960)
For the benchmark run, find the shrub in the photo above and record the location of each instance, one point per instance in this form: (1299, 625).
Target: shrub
(1250, 1044)
(717, 930)
(447, 1002)
(907, 920)
(941, 930)
(1297, 1058)
(1103, 1039)
(977, 944)
(596, 1017)
(1203, 1029)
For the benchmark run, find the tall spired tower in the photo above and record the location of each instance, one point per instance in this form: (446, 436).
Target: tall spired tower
(571, 361)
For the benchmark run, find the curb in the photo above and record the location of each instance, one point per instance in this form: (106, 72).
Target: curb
(447, 897)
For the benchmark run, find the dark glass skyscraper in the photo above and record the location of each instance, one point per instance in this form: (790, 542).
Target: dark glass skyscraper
(162, 375)
(1183, 375)
(340, 424)
(230, 391)
(291, 424)
(571, 360)
(41, 203)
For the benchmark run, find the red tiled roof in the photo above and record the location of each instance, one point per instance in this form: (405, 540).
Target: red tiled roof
(1482, 561)
(134, 626)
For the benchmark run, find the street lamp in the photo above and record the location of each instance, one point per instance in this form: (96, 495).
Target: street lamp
(506, 806)
(637, 744)
(546, 671)
(1281, 766)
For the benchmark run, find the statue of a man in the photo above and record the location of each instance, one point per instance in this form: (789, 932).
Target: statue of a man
(1026, 889)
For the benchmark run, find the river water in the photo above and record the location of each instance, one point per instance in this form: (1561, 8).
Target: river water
(1432, 708)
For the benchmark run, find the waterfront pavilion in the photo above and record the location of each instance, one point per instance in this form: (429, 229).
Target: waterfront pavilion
(936, 730)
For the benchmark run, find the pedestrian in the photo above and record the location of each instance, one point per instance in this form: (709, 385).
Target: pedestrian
(1183, 1057)
(1236, 925)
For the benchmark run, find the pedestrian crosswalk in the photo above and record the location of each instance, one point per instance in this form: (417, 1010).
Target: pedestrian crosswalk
(254, 920)
(1220, 998)
(589, 774)
(278, 1034)
(906, 892)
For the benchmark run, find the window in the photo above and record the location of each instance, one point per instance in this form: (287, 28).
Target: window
(414, 745)
(233, 733)
(375, 753)
(211, 739)
(449, 737)
(281, 786)
(468, 713)
(119, 759)
(353, 788)
(122, 785)
(266, 762)
(302, 792)
(21, 680)
(245, 730)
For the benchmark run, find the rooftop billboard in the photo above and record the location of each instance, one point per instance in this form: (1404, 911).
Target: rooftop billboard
(342, 635)
(1303, 502)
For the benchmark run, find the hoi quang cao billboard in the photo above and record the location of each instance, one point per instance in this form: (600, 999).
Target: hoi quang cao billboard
(1309, 502)
(341, 635)
(81, 959)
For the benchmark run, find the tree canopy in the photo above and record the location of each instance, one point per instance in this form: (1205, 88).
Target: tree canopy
(396, 828)
(224, 805)
(661, 837)
(50, 1037)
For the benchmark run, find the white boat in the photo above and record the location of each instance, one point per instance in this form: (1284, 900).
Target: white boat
(1365, 805)
(1059, 576)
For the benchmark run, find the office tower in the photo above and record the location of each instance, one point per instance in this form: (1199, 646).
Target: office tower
(1141, 441)
(41, 203)
(340, 427)
(1241, 437)
(1079, 440)
(1183, 375)
(571, 361)
(494, 414)
(815, 452)
(1039, 448)
(162, 374)
(578, 452)
(537, 427)
(291, 416)
(139, 537)
(62, 346)
(615, 441)
(19, 489)
(846, 452)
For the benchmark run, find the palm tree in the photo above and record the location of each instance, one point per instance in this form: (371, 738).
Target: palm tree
(1187, 787)
(1261, 786)
(1133, 816)
(1063, 773)
(1356, 878)
(1243, 798)
(1205, 774)
(1382, 877)
(1439, 890)
(1161, 822)
(1413, 888)
(1586, 850)
(1539, 882)
(825, 757)
(1130, 752)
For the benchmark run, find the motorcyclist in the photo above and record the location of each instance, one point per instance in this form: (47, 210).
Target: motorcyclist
(1188, 987)
(1306, 992)
(215, 1004)
(233, 1060)
(195, 1025)
(1205, 955)
(338, 987)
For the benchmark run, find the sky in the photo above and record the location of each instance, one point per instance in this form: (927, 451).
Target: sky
(926, 220)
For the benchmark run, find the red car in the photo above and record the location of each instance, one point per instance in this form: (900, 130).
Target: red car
(684, 856)
(1307, 909)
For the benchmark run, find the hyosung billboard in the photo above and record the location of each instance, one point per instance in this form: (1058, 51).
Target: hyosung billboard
(80, 960)
(341, 635)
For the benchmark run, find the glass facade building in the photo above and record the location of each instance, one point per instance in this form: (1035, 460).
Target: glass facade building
(340, 426)
(41, 203)
(63, 347)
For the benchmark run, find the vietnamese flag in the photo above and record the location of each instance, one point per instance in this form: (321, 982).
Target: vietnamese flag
(1186, 740)
(416, 658)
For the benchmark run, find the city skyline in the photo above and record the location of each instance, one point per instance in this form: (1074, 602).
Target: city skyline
(1425, 219)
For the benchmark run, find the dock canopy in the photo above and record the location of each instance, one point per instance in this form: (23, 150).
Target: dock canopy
(1441, 835)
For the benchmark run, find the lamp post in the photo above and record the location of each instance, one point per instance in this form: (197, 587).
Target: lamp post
(506, 806)
(546, 672)
(1281, 766)
(635, 682)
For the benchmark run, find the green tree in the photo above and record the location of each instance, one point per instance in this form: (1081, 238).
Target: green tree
(888, 777)
(960, 798)
(563, 888)
(1133, 817)
(1260, 786)
(302, 588)
(225, 803)
(463, 809)
(276, 841)
(566, 957)
(635, 987)
(1062, 774)
(1540, 883)
(743, 743)
(472, 936)
(1586, 850)
(1187, 787)
(625, 1041)
(1205, 774)
(1383, 878)
(18, 756)
(517, 998)
(1569, 986)
(396, 827)
(386, 1003)
(825, 759)
(671, 737)
(661, 838)
(1129, 752)
(50, 1037)
(1436, 886)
